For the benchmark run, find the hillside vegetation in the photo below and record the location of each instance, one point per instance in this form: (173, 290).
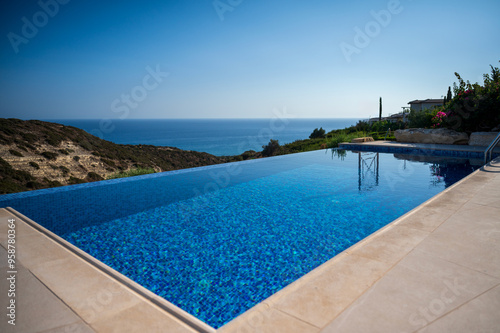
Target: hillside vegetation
(36, 154)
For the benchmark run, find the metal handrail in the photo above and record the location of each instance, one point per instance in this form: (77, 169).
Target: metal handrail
(490, 148)
(387, 133)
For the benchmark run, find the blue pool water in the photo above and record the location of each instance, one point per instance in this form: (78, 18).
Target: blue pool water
(217, 240)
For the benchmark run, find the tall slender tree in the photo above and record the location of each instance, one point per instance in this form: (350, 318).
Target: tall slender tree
(448, 95)
(380, 110)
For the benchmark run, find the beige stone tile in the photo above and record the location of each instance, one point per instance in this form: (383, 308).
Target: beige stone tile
(391, 244)
(478, 315)
(37, 308)
(481, 257)
(140, 318)
(89, 292)
(321, 300)
(473, 220)
(454, 245)
(21, 228)
(4, 213)
(488, 197)
(269, 321)
(427, 219)
(445, 204)
(248, 321)
(80, 327)
(414, 293)
(38, 250)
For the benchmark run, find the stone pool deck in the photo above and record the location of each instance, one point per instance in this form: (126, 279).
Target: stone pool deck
(435, 269)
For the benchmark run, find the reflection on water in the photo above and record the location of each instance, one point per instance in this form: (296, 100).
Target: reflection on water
(447, 170)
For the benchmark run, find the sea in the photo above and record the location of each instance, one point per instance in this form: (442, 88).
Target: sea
(220, 137)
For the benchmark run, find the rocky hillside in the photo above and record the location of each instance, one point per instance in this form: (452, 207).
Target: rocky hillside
(36, 154)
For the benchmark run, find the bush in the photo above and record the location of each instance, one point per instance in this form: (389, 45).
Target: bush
(15, 153)
(317, 134)
(92, 176)
(35, 165)
(475, 107)
(49, 155)
(131, 173)
(248, 154)
(64, 170)
(73, 180)
(271, 149)
(421, 119)
(343, 136)
(76, 158)
(33, 185)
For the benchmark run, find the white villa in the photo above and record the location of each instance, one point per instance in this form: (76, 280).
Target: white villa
(419, 105)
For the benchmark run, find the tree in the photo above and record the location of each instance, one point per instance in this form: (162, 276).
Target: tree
(380, 110)
(317, 134)
(448, 95)
(271, 149)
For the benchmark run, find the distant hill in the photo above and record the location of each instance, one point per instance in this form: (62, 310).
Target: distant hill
(36, 154)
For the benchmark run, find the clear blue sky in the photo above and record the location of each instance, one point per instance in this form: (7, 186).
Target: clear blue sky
(86, 57)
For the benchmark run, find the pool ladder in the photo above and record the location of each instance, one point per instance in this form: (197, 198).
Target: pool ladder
(489, 150)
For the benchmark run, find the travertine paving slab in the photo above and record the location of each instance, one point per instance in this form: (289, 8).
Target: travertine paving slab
(390, 245)
(427, 219)
(37, 309)
(478, 315)
(140, 319)
(398, 303)
(330, 293)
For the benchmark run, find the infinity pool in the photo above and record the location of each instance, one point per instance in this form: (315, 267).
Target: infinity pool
(217, 240)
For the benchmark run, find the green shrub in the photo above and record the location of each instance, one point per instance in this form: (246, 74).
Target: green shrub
(15, 153)
(271, 149)
(49, 155)
(422, 119)
(64, 151)
(53, 138)
(248, 154)
(64, 170)
(92, 176)
(73, 180)
(35, 165)
(303, 145)
(108, 162)
(131, 173)
(76, 158)
(51, 183)
(475, 107)
(34, 185)
(343, 136)
(317, 134)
